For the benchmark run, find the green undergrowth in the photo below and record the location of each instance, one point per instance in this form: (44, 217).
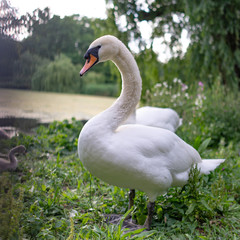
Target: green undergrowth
(52, 196)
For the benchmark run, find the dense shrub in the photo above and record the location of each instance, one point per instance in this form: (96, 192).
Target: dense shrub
(93, 78)
(222, 114)
(10, 208)
(59, 75)
(177, 95)
(207, 112)
(101, 89)
(95, 83)
(25, 67)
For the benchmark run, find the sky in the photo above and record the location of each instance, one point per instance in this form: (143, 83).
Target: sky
(92, 9)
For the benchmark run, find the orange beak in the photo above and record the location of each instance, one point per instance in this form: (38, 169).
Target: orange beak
(88, 64)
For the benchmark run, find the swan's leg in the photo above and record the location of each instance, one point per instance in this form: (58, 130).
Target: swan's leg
(148, 222)
(131, 198)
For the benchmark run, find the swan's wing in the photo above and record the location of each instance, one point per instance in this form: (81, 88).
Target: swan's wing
(158, 117)
(139, 157)
(156, 146)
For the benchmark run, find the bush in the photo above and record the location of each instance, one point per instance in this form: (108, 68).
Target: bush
(101, 89)
(93, 77)
(25, 67)
(11, 206)
(57, 76)
(222, 115)
(178, 96)
(206, 112)
(101, 80)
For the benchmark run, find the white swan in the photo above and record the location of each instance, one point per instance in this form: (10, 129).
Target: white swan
(13, 162)
(133, 156)
(155, 117)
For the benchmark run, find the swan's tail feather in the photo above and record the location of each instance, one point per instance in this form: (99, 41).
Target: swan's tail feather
(208, 165)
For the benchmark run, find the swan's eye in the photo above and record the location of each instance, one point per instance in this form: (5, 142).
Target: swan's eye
(87, 56)
(92, 51)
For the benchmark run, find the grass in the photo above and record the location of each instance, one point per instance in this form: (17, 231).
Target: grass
(52, 196)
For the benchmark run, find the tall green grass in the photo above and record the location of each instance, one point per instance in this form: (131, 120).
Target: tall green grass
(52, 196)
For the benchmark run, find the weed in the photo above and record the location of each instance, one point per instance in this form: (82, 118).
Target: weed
(52, 196)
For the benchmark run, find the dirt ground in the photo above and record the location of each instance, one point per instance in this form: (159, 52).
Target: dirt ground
(46, 107)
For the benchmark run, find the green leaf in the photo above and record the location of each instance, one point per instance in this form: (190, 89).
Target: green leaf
(144, 235)
(191, 208)
(44, 188)
(204, 145)
(203, 237)
(204, 203)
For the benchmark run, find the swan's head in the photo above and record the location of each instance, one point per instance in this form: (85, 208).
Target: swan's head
(19, 149)
(102, 49)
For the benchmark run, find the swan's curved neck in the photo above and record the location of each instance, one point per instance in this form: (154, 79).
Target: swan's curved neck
(131, 89)
(11, 156)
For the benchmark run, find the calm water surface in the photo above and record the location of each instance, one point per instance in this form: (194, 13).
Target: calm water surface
(24, 109)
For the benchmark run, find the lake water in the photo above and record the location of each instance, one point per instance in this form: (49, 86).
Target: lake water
(24, 109)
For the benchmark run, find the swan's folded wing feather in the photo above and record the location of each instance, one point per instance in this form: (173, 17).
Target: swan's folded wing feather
(158, 117)
(156, 145)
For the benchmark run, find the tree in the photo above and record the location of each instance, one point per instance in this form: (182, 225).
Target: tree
(32, 21)
(10, 24)
(9, 52)
(150, 70)
(59, 75)
(213, 26)
(215, 34)
(70, 35)
(166, 16)
(25, 67)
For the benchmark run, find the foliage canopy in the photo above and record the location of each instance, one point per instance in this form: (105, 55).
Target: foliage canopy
(59, 75)
(213, 27)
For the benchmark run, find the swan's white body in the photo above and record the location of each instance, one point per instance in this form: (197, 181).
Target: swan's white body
(134, 156)
(165, 118)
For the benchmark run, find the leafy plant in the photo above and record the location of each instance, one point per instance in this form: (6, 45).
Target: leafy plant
(10, 208)
(25, 67)
(52, 196)
(59, 75)
(101, 89)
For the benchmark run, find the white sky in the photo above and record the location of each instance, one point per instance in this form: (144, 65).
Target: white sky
(91, 9)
